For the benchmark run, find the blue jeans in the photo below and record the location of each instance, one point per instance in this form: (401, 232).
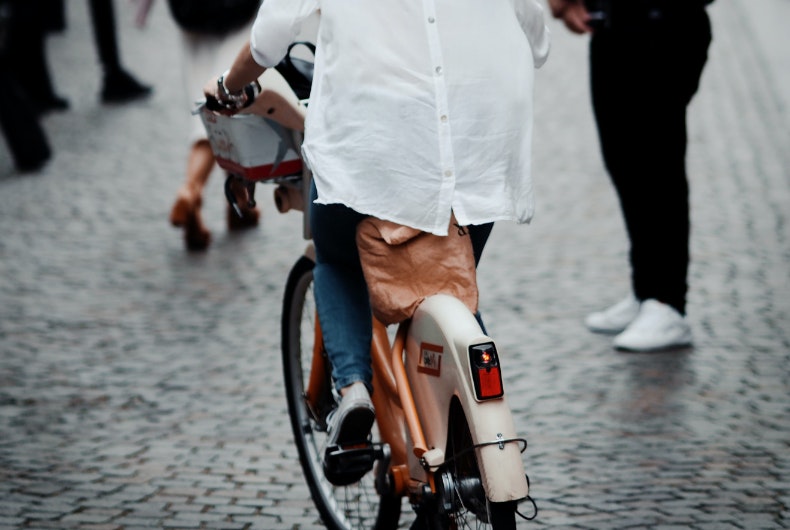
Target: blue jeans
(341, 294)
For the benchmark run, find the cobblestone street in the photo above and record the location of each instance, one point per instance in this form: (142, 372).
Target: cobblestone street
(141, 387)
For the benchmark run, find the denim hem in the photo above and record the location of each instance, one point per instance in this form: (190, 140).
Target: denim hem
(351, 379)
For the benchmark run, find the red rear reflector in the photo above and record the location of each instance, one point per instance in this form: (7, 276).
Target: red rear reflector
(490, 383)
(486, 374)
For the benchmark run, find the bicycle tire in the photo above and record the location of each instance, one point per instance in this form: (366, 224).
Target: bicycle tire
(461, 464)
(352, 507)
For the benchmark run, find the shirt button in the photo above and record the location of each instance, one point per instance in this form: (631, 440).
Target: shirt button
(448, 173)
(443, 118)
(431, 20)
(438, 69)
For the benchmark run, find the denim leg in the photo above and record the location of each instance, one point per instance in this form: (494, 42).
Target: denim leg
(341, 294)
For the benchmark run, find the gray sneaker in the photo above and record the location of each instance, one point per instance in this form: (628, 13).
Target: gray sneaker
(616, 318)
(351, 422)
(657, 327)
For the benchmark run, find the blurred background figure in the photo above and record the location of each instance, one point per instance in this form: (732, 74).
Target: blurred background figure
(34, 21)
(19, 121)
(29, 61)
(26, 87)
(212, 33)
(118, 84)
(646, 60)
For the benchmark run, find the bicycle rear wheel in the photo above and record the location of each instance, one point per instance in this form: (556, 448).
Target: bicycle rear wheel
(460, 501)
(351, 507)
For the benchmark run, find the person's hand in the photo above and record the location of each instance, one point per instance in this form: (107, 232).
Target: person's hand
(573, 14)
(558, 6)
(220, 100)
(213, 103)
(210, 88)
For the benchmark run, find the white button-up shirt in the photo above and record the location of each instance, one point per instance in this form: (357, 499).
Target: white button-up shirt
(419, 108)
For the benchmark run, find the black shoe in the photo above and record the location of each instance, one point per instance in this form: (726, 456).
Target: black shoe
(49, 104)
(120, 87)
(33, 164)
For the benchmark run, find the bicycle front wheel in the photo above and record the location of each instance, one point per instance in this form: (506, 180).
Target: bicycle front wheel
(353, 507)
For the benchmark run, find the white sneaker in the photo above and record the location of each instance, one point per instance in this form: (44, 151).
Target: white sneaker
(350, 423)
(614, 319)
(658, 326)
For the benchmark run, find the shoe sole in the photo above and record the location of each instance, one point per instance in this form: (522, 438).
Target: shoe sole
(666, 348)
(605, 331)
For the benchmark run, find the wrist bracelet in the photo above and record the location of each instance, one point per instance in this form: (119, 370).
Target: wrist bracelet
(225, 94)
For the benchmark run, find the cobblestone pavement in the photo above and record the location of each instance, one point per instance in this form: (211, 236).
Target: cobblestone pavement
(140, 385)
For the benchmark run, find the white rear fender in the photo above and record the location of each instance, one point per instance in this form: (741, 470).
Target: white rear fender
(439, 370)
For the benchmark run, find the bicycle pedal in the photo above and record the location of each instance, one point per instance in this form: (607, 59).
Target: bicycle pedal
(344, 466)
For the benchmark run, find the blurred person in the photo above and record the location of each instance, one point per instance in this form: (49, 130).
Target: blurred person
(30, 62)
(35, 20)
(417, 113)
(209, 41)
(118, 85)
(19, 120)
(646, 60)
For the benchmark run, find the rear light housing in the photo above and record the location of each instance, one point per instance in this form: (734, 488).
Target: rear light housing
(486, 374)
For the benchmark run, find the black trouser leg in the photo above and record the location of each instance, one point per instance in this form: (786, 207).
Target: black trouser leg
(479, 235)
(27, 52)
(103, 18)
(642, 82)
(19, 122)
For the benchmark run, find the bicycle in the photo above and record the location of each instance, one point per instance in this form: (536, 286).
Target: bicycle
(444, 436)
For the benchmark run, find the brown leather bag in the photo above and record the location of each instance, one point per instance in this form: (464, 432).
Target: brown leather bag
(402, 266)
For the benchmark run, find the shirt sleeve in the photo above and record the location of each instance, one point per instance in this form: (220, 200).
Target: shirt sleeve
(530, 15)
(276, 26)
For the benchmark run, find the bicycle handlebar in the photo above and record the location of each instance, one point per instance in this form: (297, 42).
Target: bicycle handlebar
(251, 91)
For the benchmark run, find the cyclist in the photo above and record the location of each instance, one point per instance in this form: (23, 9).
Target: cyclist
(417, 110)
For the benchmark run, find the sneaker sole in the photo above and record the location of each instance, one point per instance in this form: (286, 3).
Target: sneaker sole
(666, 347)
(605, 331)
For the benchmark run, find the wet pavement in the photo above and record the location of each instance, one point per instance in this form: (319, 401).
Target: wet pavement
(140, 384)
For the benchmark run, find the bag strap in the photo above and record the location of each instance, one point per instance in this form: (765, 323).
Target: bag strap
(298, 72)
(309, 45)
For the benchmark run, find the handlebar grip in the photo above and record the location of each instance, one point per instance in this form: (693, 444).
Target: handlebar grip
(251, 91)
(213, 103)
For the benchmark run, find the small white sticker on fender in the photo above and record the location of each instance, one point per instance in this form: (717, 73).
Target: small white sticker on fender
(430, 361)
